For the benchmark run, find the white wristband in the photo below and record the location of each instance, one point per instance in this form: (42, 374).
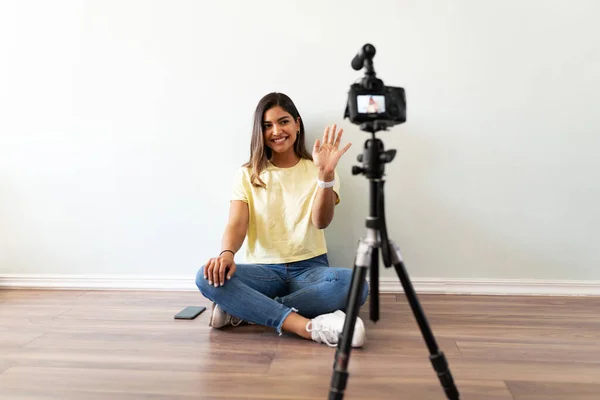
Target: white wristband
(322, 184)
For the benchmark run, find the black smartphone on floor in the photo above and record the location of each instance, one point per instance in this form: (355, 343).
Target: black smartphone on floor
(190, 312)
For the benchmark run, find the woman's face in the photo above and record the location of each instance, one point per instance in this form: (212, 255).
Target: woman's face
(280, 130)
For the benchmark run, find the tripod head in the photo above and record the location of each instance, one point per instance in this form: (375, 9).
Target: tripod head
(374, 158)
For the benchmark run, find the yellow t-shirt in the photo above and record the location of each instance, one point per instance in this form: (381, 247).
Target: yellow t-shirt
(280, 229)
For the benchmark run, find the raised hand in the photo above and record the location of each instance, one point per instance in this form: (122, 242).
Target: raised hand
(327, 154)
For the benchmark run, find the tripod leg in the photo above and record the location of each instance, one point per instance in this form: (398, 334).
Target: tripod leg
(374, 287)
(438, 359)
(342, 354)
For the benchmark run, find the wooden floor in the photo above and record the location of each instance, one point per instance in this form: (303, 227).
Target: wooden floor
(126, 345)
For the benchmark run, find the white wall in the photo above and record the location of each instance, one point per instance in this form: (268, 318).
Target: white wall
(122, 123)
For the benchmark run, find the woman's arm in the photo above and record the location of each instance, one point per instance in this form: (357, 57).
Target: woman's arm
(324, 204)
(237, 226)
(233, 238)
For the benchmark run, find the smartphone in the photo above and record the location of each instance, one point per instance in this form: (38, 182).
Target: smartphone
(190, 312)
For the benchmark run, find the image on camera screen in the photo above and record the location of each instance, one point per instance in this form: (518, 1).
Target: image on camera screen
(370, 104)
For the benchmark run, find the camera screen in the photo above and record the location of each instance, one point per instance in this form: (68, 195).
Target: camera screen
(370, 104)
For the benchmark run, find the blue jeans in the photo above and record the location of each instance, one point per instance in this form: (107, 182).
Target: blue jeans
(265, 294)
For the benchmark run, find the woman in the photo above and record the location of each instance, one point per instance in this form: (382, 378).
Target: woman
(283, 198)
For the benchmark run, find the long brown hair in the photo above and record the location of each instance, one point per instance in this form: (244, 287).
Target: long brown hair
(259, 152)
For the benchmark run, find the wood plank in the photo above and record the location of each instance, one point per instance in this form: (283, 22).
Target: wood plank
(120, 324)
(529, 351)
(553, 391)
(234, 340)
(210, 385)
(18, 338)
(137, 299)
(99, 313)
(492, 325)
(94, 318)
(168, 324)
(43, 394)
(371, 366)
(38, 297)
(8, 312)
(500, 306)
(158, 359)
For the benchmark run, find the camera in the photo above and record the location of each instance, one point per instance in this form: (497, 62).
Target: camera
(371, 104)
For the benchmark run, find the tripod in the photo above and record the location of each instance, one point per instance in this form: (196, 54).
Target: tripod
(374, 159)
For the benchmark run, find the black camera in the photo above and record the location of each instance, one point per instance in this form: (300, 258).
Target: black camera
(371, 104)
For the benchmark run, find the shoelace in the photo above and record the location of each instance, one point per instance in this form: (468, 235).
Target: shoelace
(324, 333)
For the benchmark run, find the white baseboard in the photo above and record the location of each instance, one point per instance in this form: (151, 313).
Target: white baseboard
(386, 284)
(98, 282)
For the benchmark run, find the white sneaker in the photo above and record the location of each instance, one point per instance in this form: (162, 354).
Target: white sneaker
(219, 318)
(327, 328)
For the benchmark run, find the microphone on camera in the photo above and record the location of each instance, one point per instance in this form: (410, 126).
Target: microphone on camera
(368, 50)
